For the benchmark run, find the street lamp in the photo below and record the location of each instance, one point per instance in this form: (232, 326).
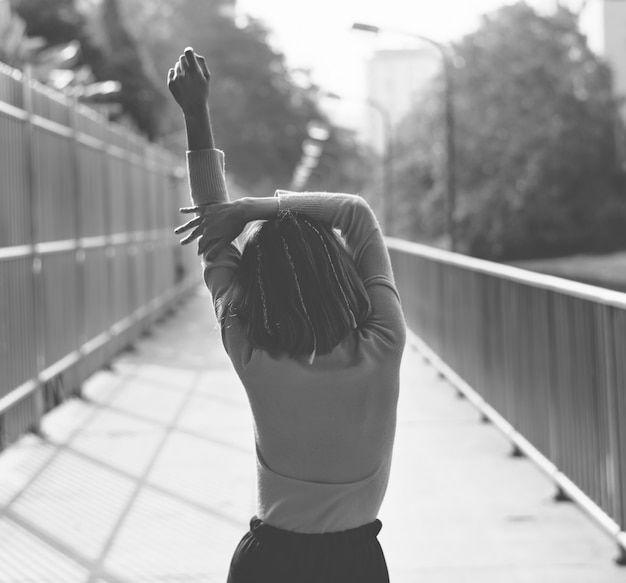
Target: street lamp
(387, 156)
(449, 121)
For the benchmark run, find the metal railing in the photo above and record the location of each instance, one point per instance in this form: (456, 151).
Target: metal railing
(88, 257)
(542, 357)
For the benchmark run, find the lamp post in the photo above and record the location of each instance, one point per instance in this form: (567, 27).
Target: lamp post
(387, 156)
(449, 122)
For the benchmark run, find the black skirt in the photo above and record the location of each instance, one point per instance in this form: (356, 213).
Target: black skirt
(273, 555)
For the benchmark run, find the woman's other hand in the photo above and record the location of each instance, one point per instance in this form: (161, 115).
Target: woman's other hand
(216, 225)
(188, 82)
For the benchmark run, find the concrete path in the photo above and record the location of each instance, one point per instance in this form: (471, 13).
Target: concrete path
(152, 480)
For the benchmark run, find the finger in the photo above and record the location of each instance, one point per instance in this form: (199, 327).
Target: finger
(188, 225)
(194, 67)
(197, 208)
(183, 62)
(193, 235)
(203, 67)
(170, 75)
(177, 69)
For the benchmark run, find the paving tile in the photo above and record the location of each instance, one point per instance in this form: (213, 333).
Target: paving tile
(212, 475)
(150, 400)
(222, 419)
(26, 558)
(164, 539)
(75, 502)
(20, 464)
(120, 441)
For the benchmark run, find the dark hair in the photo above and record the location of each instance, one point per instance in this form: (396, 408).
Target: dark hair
(297, 290)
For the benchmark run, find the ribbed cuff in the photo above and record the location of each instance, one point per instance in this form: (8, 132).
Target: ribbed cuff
(207, 180)
(309, 203)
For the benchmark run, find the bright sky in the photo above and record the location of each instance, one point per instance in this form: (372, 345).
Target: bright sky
(317, 34)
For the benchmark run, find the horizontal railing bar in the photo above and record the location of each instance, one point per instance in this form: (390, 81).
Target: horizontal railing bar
(15, 251)
(59, 366)
(56, 246)
(550, 282)
(122, 325)
(17, 395)
(120, 238)
(13, 111)
(87, 140)
(52, 126)
(95, 343)
(89, 242)
(122, 154)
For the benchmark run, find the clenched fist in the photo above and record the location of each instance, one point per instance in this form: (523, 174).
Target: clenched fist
(188, 82)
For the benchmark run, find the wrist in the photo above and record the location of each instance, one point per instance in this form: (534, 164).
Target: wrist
(259, 208)
(198, 127)
(197, 112)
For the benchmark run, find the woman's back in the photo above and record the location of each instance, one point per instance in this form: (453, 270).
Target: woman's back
(332, 421)
(321, 420)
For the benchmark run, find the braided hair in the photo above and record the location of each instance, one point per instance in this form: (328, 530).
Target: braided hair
(297, 291)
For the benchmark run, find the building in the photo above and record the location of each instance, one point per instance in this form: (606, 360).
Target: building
(394, 81)
(610, 17)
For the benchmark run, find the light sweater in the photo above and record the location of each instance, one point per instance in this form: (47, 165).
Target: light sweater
(324, 431)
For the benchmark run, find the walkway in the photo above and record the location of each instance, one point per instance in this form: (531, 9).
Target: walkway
(152, 480)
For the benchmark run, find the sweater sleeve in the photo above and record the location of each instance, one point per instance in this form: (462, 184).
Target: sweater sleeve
(207, 184)
(356, 221)
(207, 178)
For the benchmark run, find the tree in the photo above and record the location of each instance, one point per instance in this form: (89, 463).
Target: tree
(536, 160)
(106, 47)
(143, 95)
(260, 116)
(16, 47)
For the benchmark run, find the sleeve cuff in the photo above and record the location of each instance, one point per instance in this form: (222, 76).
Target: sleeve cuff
(207, 179)
(307, 203)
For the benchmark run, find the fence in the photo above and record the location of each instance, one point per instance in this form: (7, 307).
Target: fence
(544, 357)
(88, 258)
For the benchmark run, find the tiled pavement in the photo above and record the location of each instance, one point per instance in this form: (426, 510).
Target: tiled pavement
(151, 479)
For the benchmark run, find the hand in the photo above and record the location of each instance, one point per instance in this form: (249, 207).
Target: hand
(217, 225)
(188, 82)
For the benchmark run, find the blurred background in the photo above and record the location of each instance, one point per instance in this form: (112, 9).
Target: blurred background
(493, 128)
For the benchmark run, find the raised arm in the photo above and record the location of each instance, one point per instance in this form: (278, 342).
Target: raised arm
(188, 81)
(351, 215)
(357, 222)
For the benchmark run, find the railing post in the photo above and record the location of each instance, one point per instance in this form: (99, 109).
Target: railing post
(132, 249)
(109, 251)
(37, 276)
(78, 230)
(616, 461)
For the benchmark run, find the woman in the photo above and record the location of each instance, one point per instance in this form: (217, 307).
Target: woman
(315, 331)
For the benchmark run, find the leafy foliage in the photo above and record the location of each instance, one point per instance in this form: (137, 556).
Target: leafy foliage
(16, 47)
(259, 115)
(536, 160)
(106, 47)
